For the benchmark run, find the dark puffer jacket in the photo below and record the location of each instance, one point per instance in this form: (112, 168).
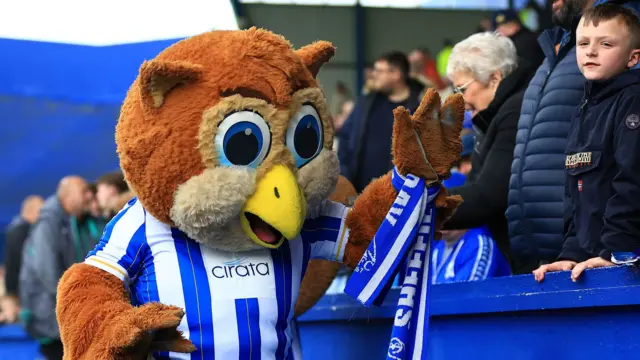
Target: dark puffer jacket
(536, 187)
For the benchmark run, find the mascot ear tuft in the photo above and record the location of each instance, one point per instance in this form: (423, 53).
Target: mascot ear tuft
(157, 78)
(315, 55)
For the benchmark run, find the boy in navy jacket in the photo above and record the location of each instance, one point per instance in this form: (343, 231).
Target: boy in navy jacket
(602, 186)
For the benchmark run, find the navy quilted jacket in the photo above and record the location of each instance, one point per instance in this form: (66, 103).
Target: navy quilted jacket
(536, 187)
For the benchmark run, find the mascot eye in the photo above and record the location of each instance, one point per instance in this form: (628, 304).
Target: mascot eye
(305, 136)
(243, 139)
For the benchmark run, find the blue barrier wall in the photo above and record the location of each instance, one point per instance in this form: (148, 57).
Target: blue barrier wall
(506, 318)
(502, 318)
(59, 105)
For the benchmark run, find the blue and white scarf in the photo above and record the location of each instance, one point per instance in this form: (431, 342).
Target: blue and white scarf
(404, 238)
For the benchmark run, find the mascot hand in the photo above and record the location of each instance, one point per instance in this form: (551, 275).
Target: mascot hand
(87, 294)
(425, 144)
(148, 328)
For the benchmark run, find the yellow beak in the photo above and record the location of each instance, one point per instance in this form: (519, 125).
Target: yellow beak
(277, 209)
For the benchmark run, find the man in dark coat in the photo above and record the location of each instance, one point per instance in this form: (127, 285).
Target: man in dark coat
(364, 141)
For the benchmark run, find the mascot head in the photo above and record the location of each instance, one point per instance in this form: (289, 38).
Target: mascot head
(226, 136)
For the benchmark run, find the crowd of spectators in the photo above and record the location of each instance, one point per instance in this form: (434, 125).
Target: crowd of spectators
(521, 88)
(44, 240)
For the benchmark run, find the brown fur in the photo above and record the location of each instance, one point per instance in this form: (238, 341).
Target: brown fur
(320, 273)
(315, 55)
(164, 135)
(97, 321)
(431, 158)
(162, 143)
(156, 134)
(366, 215)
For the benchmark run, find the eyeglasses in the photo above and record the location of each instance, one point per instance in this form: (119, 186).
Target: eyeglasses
(461, 89)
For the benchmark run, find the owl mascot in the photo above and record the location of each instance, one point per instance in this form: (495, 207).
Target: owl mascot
(226, 142)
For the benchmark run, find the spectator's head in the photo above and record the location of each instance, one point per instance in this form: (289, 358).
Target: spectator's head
(506, 22)
(485, 24)
(564, 11)
(74, 195)
(109, 186)
(468, 143)
(368, 80)
(478, 64)
(117, 203)
(391, 72)
(30, 210)
(416, 61)
(341, 88)
(94, 206)
(608, 41)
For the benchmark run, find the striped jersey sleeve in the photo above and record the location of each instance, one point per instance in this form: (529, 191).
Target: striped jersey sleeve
(327, 233)
(119, 251)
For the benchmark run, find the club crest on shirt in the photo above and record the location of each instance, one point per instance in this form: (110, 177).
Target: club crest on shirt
(632, 121)
(578, 160)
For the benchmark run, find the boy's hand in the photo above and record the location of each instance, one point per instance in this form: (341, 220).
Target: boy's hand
(564, 265)
(596, 262)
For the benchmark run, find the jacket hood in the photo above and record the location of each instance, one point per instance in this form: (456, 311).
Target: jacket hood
(598, 90)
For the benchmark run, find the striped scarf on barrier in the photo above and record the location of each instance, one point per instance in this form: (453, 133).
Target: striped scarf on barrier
(404, 238)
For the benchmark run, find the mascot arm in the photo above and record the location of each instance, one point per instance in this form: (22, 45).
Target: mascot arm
(94, 311)
(425, 144)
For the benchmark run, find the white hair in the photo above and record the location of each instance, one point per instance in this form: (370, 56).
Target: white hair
(483, 54)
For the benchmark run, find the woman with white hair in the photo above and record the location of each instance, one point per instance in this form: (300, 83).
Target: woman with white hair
(485, 69)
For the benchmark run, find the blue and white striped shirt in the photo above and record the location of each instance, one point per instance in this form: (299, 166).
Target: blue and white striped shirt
(238, 305)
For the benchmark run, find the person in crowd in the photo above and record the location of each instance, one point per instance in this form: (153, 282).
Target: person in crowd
(117, 203)
(507, 23)
(340, 96)
(603, 151)
(16, 235)
(462, 169)
(94, 206)
(365, 137)
(484, 69)
(109, 187)
(56, 241)
(536, 187)
(530, 16)
(338, 121)
(442, 59)
(484, 25)
(466, 255)
(423, 68)
(368, 85)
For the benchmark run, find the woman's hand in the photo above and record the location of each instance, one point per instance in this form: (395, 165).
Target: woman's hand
(564, 265)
